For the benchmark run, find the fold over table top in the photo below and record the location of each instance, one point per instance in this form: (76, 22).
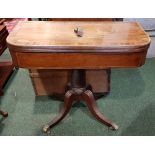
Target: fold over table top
(45, 36)
(55, 45)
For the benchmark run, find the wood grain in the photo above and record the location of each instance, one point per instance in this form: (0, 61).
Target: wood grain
(60, 37)
(53, 45)
(78, 60)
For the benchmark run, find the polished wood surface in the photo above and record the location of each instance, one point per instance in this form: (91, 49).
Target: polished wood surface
(60, 36)
(54, 45)
(77, 60)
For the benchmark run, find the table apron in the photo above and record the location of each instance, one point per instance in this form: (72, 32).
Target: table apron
(78, 60)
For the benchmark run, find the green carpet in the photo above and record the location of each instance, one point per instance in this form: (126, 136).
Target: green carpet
(131, 104)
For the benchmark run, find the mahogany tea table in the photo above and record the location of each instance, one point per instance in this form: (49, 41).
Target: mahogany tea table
(78, 46)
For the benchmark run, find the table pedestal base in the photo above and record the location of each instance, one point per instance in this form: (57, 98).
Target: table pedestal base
(77, 90)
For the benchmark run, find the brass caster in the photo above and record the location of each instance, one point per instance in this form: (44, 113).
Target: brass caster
(46, 129)
(114, 127)
(4, 114)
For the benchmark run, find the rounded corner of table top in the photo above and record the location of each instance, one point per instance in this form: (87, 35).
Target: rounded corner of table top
(55, 36)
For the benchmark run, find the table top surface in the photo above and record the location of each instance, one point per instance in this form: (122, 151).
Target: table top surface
(60, 35)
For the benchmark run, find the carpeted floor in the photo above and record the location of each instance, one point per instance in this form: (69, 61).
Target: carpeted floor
(131, 104)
